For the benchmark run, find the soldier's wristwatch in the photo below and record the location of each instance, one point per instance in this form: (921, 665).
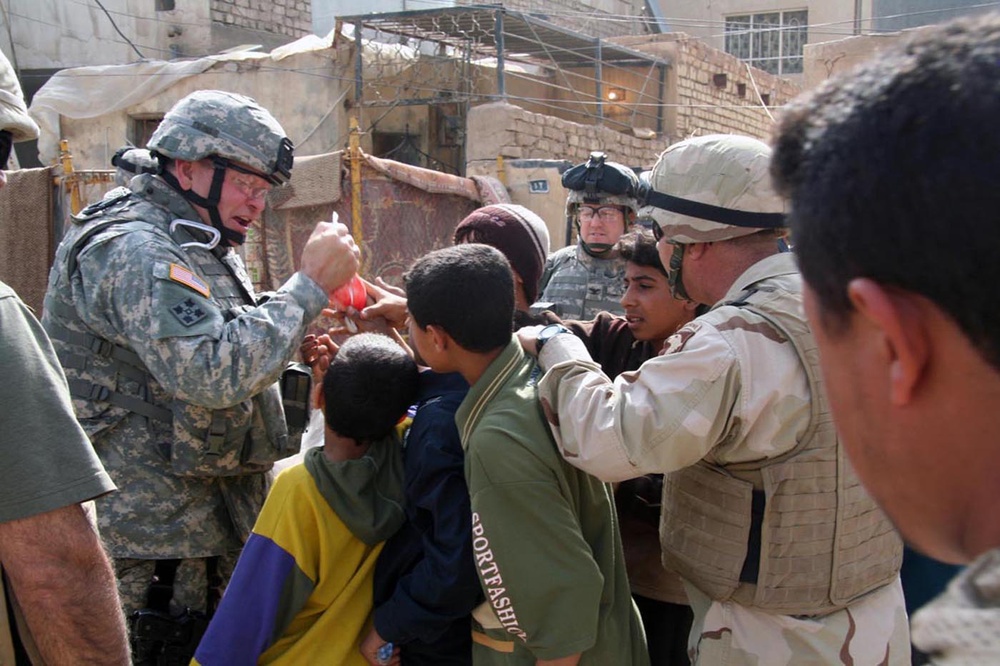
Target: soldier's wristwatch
(547, 333)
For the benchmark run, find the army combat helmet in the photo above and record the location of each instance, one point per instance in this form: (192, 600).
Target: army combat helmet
(235, 132)
(711, 188)
(599, 182)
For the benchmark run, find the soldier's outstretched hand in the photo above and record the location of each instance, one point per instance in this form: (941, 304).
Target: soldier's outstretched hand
(330, 256)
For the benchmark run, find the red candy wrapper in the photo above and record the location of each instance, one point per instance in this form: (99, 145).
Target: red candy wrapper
(351, 295)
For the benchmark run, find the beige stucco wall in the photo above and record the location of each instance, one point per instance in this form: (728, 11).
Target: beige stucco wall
(303, 91)
(821, 61)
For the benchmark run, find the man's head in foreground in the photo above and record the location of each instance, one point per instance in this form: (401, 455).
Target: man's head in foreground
(891, 175)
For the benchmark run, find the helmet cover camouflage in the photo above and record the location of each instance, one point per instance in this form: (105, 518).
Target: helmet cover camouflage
(720, 182)
(614, 184)
(236, 128)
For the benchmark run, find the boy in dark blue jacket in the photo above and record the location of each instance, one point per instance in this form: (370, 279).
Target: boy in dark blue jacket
(425, 580)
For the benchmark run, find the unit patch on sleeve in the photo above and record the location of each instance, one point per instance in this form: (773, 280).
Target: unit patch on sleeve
(180, 274)
(188, 312)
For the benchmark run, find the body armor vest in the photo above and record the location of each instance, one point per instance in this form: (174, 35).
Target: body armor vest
(796, 534)
(108, 380)
(579, 286)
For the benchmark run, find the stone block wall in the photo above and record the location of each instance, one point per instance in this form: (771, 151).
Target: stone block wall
(503, 129)
(714, 92)
(710, 91)
(292, 18)
(521, 137)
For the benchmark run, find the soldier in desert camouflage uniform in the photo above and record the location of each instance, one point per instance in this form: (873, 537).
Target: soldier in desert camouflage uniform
(786, 559)
(583, 279)
(173, 362)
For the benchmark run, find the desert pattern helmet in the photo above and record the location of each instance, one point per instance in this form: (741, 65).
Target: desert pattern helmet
(215, 123)
(712, 188)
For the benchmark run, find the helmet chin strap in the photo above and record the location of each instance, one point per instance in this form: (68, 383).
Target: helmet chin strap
(211, 202)
(598, 250)
(674, 274)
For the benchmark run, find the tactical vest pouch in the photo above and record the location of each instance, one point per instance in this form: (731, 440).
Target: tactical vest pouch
(296, 385)
(210, 442)
(244, 439)
(709, 553)
(270, 439)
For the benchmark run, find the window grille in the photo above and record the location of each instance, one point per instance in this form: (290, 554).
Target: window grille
(771, 41)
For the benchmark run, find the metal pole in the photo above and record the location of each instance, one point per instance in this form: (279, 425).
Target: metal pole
(659, 100)
(354, 143)
(599, 84)
(358, 70)
(498, 38)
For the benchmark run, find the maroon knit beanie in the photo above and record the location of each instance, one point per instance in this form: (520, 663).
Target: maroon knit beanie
(517, 232)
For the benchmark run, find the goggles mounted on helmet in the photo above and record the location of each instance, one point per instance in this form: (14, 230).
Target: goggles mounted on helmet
(594, 177)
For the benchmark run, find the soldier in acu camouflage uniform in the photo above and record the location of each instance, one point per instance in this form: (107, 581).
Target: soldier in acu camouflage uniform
(583, 279)
(785, 558)
(173, 362)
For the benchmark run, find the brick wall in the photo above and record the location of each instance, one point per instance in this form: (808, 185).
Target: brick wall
(283, 17)
(716, 93)
(710, 91)
(499, 128)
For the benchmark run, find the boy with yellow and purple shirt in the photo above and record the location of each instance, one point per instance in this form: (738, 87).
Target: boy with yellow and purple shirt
(302, 589)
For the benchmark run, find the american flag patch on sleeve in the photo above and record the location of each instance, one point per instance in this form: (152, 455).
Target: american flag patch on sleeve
(180, 274)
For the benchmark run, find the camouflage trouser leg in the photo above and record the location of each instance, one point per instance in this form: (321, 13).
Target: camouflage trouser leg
(872, 630)
(190, 582)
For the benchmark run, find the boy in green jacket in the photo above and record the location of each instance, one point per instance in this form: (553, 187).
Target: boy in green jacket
(545, 537)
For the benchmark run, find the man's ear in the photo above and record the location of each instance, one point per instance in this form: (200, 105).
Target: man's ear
(897, 317)
(184, 173)
(439, 338)
(696, 250)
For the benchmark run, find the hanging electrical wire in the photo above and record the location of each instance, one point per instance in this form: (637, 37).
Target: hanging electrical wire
(122, 34)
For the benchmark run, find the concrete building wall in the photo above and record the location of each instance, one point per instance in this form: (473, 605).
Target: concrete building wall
(828, 19)
(894, 15)
(824, 60)
(828, 59)
(56, 34)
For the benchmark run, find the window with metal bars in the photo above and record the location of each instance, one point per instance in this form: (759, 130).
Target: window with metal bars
(771, 41)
